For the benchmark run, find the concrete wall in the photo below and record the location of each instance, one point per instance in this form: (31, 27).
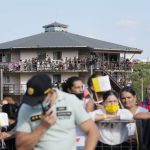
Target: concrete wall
(15, 56)
(65, 76)
(69, 54)
(28, 54)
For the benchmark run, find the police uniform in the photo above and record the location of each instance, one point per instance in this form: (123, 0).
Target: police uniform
(61, 135)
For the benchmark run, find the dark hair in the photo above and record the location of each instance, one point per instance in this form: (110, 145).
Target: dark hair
(11, 110)
(109, 93)
(128, 89)
(69, 83)
(89, 82)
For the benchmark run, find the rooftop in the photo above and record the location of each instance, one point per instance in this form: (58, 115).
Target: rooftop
(52, 39)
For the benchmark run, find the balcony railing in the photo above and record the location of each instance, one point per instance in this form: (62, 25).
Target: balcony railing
(60, 66)
(20, 89)
(14, 89)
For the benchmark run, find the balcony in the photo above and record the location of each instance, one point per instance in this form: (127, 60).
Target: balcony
(80, 65)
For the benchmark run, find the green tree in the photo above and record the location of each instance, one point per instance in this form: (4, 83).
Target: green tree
(140, 72)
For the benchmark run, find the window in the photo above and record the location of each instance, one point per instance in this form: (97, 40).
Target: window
(1, 57)
(41, 55)
(8, 57)
(113, 57)
(57, 55)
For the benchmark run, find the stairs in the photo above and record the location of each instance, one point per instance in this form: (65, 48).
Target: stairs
(115, 85)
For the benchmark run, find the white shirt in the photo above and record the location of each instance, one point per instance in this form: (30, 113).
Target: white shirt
(80, 135)
(132, 126)
(113, 133)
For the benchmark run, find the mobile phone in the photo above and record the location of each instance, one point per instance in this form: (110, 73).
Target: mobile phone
(45, 107)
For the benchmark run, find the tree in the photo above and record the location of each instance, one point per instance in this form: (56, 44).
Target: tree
(141, 73)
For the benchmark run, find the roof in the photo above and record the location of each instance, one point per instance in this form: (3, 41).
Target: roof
(55, 24)
(64, 39)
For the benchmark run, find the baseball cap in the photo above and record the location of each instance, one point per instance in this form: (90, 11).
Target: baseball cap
(37, 89)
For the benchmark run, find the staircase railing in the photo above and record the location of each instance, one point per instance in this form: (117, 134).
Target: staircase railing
(115, 85)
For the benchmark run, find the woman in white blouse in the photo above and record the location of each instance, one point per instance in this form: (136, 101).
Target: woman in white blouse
(128, 99)
(112, 133)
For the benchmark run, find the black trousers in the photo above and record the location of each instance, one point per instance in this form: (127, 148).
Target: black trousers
(123, 146)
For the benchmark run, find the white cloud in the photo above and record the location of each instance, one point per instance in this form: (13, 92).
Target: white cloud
(128, 24)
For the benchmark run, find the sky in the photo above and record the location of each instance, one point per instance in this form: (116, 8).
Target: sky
(125, 22)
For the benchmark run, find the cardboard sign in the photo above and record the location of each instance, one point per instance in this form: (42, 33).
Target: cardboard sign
(3, 119)
(101, 84)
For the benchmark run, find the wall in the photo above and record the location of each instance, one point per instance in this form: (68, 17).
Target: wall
(15, 56)
(67, 75)
(28, 54)
(69, 54)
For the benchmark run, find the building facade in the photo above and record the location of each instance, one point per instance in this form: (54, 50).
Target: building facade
(60, 54)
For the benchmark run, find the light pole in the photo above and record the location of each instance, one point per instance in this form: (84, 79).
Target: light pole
(141, 76)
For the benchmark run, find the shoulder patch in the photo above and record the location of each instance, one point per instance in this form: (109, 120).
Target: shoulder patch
(35, 117)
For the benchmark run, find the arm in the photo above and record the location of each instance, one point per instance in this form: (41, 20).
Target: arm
(92, 132)
(140, 116)
(27, 141)
(90, 106)
(100, 117)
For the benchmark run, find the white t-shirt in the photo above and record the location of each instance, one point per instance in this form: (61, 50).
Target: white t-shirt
(80, 135)
(113, 133)
(132, 126)
(3, 119)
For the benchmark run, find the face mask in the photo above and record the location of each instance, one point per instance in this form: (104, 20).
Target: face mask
(79, 95)
(111, 108)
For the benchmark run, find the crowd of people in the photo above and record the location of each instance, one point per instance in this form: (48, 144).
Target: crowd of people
(75, 63)
(74, 117)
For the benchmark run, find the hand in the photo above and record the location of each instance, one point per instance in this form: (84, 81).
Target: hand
(48, 119)
(5, 135)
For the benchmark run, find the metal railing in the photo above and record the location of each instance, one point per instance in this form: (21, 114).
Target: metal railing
(130, 144)
(60, 66)
(14, 89)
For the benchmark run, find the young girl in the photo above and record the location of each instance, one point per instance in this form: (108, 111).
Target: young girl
(113, 134)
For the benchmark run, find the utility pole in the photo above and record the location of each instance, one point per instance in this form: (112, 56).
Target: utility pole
(91, 65)
(1, 83)
(142, 88)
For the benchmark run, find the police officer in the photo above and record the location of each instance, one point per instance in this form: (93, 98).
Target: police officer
(47, 118)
